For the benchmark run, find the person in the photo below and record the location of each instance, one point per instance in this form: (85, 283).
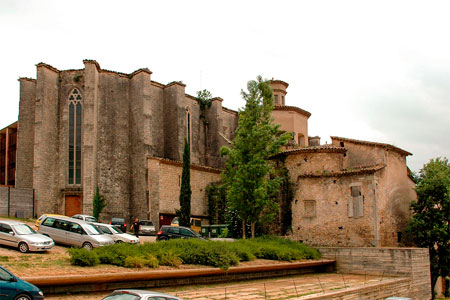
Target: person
(136, 226)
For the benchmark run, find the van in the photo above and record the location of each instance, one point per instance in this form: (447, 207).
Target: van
(73, 232)
(195, 223)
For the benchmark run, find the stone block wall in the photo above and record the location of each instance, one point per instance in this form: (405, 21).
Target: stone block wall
(4, 201)
(16, 202)
(413, 263)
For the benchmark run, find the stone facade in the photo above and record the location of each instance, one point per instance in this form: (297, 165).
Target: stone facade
(125, 133)
(349, 193)
(125, 118)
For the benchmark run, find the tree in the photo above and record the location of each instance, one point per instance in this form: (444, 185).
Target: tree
(184, 214)
(430, 225)
(248, 170)
(99, 203)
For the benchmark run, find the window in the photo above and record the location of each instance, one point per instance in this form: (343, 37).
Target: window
(309, 208)
(355, 202)
(188, 127)
(275, 99)
(75, 117)
(282, 100)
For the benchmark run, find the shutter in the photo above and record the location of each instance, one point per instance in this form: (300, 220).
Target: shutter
(350, 206)
(360, 211)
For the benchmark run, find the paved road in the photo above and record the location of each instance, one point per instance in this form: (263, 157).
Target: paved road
(285, 288)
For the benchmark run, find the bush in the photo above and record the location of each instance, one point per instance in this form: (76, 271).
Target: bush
(192, 251)
(83, 257)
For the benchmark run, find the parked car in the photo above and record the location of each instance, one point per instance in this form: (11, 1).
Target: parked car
(195, 223)
(74, 232)
(119, 222)
(147, 228)
(42, 218)
(116, 234)
(172, 232)
(86, 218)
(14, 288)
(139, 295)
(22, 236)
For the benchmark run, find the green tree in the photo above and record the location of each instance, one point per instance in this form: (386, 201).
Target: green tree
(98, 203)
(248, 170)
(430, 225)
(184, 214)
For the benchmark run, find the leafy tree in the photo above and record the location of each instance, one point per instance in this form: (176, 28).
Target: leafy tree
(184, 214)
(248, 170)
(430, 224)
(98, 203)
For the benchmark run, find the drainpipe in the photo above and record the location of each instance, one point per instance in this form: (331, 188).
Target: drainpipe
(375, 216)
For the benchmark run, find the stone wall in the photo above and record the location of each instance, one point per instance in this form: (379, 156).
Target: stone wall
(320, 211)
(164, 187)
(16, 202)
(413, 263)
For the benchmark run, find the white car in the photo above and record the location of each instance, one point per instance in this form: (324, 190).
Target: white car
(86, 218)
(22, 236)
(116, 234)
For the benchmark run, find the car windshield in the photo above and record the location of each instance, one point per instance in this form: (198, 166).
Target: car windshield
(90, 219)
(117, 220)
(115, 230)
(122, 297)
(91, 229)
(146, 223)
(23, 229)
(104, 229)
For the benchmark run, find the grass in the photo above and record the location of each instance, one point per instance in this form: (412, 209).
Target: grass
(194, 252)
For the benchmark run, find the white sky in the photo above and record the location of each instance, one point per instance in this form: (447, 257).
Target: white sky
(371, 70)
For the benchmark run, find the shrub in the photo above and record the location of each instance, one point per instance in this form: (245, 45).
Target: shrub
(83, 257)
(169, 258)
(134, 262)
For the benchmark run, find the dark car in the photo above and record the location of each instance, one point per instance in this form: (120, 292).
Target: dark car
(119, 222)
(12, 287)
(173, 232)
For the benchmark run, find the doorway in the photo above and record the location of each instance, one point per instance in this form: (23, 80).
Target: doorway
(73, 205)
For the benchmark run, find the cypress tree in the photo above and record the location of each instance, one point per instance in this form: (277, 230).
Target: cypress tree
(184, 214)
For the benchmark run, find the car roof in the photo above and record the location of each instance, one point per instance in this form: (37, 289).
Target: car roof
(11, 222)
(65, 218)
(81, 215)
(144, 293)
(167, 226)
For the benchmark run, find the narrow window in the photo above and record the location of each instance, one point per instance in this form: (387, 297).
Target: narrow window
(75, 119)
(356, 202)
(282, 100)
(275, 99)
(188, 127)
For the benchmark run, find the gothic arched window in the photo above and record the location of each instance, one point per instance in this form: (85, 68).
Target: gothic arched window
(75, 111)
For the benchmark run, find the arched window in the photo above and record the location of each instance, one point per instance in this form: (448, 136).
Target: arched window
(75, 113)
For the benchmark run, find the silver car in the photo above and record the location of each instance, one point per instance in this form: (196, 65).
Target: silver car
(147, 228)
(22, 236)
(116, 234)
(139, 295)
(86, 218)
(73, 232)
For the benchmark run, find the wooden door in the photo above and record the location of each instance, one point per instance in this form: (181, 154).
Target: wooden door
(73, 205)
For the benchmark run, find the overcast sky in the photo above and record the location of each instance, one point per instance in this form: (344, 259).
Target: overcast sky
(370, 70)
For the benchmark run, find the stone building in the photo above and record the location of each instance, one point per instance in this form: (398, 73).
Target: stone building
(124, 133)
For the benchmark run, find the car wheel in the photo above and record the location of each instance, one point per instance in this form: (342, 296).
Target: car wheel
(23, 247)
(87, 246)
(119, 242)
(23, 297)
(163, 238)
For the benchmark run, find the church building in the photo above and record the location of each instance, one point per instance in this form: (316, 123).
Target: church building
(85, 128)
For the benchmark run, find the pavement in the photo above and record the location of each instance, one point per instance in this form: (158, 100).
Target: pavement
(280, 288)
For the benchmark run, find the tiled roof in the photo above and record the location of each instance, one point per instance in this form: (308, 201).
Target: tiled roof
(346, 172)
(382, 145)
(313, 149)
(292, 108)
(180, 164)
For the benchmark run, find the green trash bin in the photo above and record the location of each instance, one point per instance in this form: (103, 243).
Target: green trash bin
(205, 230)
(214, 231)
